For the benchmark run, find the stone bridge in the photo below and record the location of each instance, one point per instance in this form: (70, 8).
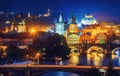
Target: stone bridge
(108, 48)
(38, 70)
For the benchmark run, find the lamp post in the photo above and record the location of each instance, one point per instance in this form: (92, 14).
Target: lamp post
(27, 72)
(27, 56)
(38, 58)
(27, 59)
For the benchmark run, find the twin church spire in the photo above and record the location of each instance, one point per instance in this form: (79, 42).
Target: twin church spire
(61, 25)
(73, 19)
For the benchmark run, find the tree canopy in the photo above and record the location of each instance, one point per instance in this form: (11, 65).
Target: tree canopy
(14, 53)
(56, 46)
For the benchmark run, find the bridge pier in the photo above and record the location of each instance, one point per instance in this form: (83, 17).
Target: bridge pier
(5, 74)
(27, 72)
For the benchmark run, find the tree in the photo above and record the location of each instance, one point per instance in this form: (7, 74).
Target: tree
(1, 52)
(2, 57)
(36, 47)
(14, 53)
(56, 46)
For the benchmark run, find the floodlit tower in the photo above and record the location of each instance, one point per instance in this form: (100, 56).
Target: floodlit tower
(60, 25)
(73, 26)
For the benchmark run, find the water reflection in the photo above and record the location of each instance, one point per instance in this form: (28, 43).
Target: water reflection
(59, 73)
(74, 58)
(116, 55)
(95, 56)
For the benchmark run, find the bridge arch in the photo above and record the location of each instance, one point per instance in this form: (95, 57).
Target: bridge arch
(74, 49)
(95, 55)
(3, 47)
(116, 53)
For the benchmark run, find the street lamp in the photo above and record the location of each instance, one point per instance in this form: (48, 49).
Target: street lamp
(38, 58)
(27, 59)
(33, 31)
(27, 56)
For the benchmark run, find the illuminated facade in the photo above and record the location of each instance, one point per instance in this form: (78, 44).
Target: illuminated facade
(73, 26)
(114, 28)
(73, 39)
(93, 33)
(88, 20)
(85, 38)
(20, 27)
(60, 26)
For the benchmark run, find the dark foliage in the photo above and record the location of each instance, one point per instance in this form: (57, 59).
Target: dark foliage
(56, 46)
(14, 53)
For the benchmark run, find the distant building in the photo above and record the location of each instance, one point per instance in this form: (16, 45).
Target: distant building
(8, 41)
(17, 26)
(21, 22)
(88, 20)
(92, 33)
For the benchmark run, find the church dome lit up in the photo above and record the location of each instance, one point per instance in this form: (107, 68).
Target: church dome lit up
(88, 20)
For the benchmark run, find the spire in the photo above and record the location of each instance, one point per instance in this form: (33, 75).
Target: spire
(48, 12)
(61, 18)
(73, 19)
(29, 15)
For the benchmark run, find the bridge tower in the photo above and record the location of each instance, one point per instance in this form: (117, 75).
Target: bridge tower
(60, 25)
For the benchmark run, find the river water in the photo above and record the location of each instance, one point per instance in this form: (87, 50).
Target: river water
(83, 61)
(55, 73)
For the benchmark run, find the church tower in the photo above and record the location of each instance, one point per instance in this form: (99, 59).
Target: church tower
(73, 26)
(73, 38)
(60, 25)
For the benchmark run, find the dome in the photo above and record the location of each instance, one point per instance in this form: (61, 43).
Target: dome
(88, 20)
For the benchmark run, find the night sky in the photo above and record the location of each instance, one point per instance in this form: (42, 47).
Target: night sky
(102, 10)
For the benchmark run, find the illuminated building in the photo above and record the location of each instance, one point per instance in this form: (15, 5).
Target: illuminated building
(73, 39)
(20, 22)
(60, 25)
(113, 27)
(88, 20)
(91, 34)
(101, 39)
(85, 38)
(19, 27)
(73, 26)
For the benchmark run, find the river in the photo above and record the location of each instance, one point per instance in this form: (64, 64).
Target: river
(56, 73)
(83, 61)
